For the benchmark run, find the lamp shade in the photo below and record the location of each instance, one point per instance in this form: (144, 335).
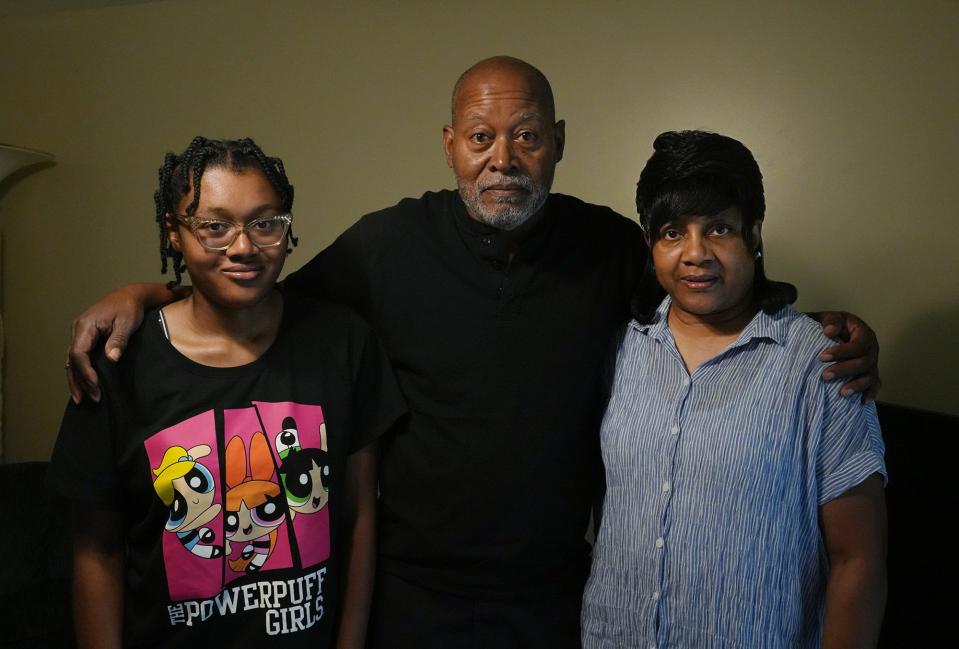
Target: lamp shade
(13, 158)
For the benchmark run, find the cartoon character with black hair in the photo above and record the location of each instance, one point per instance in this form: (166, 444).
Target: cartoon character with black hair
(305, 473)
(186, 487)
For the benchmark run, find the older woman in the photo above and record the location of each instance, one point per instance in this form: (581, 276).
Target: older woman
(744, 503)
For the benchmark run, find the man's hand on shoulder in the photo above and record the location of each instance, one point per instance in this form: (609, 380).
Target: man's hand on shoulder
(116, 316)
(856, 359)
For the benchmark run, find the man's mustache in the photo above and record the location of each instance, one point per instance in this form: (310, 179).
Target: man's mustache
(521, 182)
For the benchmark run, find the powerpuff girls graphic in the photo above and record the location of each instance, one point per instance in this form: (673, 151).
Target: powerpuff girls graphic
(246, 492)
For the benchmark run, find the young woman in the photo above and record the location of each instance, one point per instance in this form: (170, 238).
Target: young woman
(224, 486)
(744, 503)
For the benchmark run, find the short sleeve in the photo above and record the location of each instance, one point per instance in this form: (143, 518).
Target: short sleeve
(850, 446)
(377, 401)
(83, 466)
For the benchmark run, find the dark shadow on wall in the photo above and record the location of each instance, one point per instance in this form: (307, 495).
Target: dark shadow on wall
(919, 363)
(922, 363)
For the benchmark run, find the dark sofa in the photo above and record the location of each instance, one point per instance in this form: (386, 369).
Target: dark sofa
(35, 564)
(923, 503)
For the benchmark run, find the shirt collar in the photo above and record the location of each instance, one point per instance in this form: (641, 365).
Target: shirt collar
(488, 242)
(767, 326)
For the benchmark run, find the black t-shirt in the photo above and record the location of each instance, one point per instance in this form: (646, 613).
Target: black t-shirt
(487, 487)
(229, 480)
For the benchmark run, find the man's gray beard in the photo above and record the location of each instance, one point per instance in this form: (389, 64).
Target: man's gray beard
(515, 214)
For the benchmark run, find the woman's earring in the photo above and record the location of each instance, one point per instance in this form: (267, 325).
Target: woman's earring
(758, 255)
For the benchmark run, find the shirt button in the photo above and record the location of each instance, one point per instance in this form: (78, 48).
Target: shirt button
(674, 430)
(655, 595)
(666, 486)
(487, 241)
(660, 542)
(685, 381)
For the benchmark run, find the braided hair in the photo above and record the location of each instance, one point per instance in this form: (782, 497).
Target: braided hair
(181, 173)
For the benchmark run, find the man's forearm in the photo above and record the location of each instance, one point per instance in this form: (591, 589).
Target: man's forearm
(855, 600)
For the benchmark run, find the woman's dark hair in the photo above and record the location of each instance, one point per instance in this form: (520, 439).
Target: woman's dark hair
(695, 172)
(183, 172)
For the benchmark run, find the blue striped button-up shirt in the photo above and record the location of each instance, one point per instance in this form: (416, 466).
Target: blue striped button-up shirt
(710, 534)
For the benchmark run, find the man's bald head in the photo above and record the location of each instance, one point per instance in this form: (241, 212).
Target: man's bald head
(491, 68)
(503, 143)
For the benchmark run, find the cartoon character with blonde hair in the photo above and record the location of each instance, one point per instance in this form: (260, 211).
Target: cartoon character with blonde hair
(186, 487)
(255, 508)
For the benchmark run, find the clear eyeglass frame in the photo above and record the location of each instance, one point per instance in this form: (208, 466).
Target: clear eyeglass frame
(194, 223)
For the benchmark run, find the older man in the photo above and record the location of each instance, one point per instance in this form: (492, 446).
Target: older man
(497, 305)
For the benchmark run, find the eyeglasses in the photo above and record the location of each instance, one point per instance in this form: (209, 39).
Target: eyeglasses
(216, 235)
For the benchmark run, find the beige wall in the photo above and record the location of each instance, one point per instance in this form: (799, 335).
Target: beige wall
(852, 113)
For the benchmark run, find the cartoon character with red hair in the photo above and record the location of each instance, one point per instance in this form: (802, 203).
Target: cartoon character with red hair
(255, 506)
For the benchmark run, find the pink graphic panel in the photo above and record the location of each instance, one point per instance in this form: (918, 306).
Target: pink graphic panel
(297, 435)
(255, 509)
(186, 477)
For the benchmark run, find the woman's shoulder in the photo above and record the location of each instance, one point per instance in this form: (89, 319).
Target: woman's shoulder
(801, 333)
(803, 342)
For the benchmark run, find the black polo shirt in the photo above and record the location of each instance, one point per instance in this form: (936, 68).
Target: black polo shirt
(487, 488)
